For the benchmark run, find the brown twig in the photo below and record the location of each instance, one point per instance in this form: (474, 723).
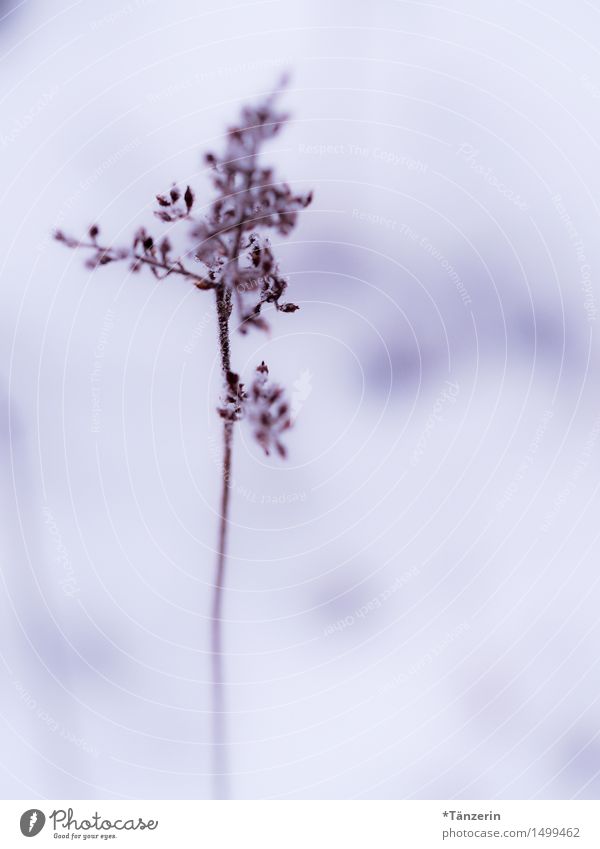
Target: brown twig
(112, 254)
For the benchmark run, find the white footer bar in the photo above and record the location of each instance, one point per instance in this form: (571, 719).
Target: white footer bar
(302, 824)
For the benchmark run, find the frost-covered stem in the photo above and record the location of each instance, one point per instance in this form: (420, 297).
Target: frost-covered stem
(220, 781)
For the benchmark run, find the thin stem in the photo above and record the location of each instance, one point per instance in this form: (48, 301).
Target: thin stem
(220, 771)
(219, 741)
(219, 736)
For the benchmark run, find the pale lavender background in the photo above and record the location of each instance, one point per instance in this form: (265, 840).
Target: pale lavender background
(474, 669)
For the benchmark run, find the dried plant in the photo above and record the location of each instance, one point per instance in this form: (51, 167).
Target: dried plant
(231, 257)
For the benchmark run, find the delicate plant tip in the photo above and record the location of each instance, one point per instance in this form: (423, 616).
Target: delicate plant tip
(93, 231)
(189, 198)
(69, 241)
(165, 249)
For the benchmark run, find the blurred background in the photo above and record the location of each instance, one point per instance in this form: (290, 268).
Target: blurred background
(412, 597)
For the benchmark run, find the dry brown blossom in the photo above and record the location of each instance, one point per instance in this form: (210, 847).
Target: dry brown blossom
(268, 412)
(263, 405)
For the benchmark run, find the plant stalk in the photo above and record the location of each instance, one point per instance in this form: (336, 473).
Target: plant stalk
(219, 733)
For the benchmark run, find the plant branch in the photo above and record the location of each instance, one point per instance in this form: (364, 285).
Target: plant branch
(106, 255)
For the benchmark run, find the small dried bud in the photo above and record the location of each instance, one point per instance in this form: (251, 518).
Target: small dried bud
(67, 240)
(165, 247)
(93, 231)
(188, 198)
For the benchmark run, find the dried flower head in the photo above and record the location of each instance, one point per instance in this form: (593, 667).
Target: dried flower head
(264, 406)
(231, 254)
(249, 198)
(268, 411)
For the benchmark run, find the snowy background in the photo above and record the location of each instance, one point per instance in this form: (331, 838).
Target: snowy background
(412, 598)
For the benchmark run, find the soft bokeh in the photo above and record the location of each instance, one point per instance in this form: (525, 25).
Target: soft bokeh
(412, 598)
